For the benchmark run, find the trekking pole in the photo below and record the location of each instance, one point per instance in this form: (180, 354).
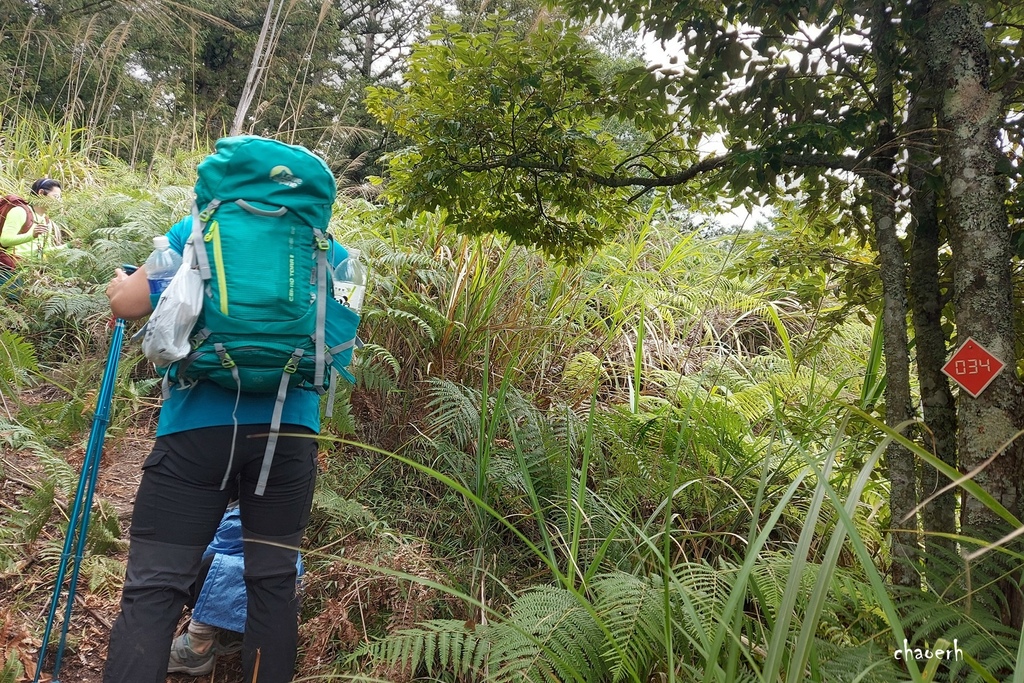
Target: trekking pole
(78, 522)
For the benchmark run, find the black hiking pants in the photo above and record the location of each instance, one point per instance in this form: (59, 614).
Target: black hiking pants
(178, 507)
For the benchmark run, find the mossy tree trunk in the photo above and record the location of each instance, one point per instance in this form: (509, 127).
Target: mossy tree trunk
(970, 116)
(893, 270)
(938, 518)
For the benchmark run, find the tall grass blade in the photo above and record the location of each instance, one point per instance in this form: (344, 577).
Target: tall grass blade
(780, 634)
(804, 645)
(1018, 669)
(951, 472)
(874, 379)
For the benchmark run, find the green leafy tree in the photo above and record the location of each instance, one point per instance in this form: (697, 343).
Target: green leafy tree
(506, 135)
(809, 101)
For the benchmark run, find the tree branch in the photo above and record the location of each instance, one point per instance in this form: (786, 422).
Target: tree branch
(680, 177)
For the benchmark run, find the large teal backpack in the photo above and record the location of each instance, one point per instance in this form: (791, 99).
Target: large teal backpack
(269, 320)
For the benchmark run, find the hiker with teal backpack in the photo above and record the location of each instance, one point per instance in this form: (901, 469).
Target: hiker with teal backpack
(242, 403)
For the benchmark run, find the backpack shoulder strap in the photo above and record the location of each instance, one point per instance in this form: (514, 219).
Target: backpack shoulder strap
(199, 220)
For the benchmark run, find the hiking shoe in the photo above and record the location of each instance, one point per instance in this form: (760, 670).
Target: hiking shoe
(186, 660)
(227, 642)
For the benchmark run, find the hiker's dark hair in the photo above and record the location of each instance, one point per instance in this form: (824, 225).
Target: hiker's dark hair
(44, 186)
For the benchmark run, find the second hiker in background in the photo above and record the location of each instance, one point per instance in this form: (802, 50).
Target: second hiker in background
(25, 224)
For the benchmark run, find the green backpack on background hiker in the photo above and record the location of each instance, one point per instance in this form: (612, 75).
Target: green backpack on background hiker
(269, 320)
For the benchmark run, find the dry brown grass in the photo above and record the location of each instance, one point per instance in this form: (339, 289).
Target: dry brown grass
(367, 595)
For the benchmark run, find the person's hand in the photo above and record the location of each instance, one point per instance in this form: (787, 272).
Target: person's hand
(115, 284)
(129, 294)
(40, 229)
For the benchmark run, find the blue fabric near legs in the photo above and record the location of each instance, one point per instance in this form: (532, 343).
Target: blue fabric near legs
(179, 505)
(222, 597)
(10, 284)
(222, 600)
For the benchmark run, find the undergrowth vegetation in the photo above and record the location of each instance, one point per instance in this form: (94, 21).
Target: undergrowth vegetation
(663, 464)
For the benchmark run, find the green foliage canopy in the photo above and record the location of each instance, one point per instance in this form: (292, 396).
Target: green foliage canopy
(513, 133)
(507, 134)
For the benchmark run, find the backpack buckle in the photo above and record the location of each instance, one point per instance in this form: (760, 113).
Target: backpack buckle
(205, 214)
(322, 243)
(225, 359)
(293, 363)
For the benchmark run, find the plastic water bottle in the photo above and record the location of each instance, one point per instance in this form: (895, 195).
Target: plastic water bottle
(350, 281)
(161, 265)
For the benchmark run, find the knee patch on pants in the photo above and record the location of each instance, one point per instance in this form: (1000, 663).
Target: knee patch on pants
(153, 564)
(267, 556)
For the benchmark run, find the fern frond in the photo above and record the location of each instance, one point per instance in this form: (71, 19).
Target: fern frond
(60, 473)
(376, 354)
(18, 360)
(977, 630)
(104, 574)
(705, 589)
(32, 515)
(867, 663)
(393, 316)
(753, 402)
(633, 611)
(12, 670)
(16, 436)
(333, 515)
(104, 529)
(74, 304)
(549, 635)
(450, 645)
(454, 411)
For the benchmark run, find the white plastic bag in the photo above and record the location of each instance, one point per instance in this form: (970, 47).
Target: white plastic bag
(169, 327)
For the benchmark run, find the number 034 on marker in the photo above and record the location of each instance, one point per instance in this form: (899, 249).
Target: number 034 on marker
(973, 367)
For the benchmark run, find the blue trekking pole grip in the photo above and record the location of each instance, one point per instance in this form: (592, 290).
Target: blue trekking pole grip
(78, 521)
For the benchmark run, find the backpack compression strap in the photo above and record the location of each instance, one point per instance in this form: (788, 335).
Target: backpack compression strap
(323, 244)
(275, 421)
(234, 413)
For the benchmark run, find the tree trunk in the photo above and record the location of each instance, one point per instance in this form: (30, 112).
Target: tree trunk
(892, 267)
(939, 516)
(971, 115)
(260, 59)
(369, 42)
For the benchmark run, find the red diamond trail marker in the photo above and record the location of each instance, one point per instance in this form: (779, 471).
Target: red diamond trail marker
(973, 367)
